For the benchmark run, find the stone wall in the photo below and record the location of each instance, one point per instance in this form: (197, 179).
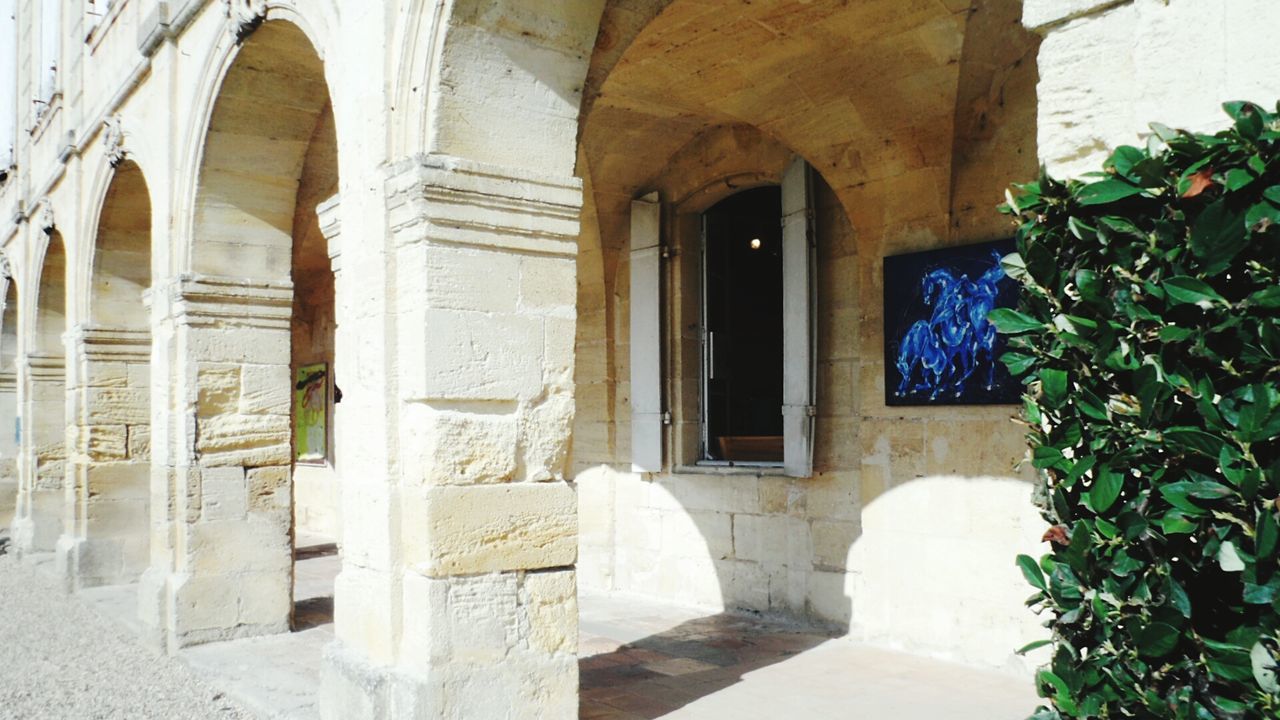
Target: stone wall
(1109, 68)
(315, 483)
(863, 545)
(906, 532)
(489, 154)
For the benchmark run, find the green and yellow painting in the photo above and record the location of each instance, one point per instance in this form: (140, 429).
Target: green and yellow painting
(311, 413)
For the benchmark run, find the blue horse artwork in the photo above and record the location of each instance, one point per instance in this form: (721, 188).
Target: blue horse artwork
(940, 347)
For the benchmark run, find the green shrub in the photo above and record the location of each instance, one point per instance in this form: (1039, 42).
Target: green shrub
(1148, 335)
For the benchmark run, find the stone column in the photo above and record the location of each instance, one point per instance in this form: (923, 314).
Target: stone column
(221, 546)
(43, 453)
(457, 596)
(8, 446)
(105, 530)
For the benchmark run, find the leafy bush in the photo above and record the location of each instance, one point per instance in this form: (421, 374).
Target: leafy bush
(1148, 335)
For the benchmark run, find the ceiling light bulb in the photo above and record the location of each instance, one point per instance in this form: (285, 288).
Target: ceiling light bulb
(755, 243)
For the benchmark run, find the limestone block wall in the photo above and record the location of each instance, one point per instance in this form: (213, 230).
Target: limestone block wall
(1110, 68)
(8, 447)
(316, 491)
(44, 454)
(906, 532)
(233, 532)
(106, 535)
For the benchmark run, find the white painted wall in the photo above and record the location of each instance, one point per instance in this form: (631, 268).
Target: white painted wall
(50, 44)
(8, 81)
(1107, 70)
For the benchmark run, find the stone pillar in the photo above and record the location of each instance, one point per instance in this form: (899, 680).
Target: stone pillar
(105, 530)
(457, 596)
(43, 453)
(221, 547)
(8, 447)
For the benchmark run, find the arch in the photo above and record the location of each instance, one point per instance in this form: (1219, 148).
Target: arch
(8, 399)
(107, 536)
(495, 56)
(43, 393)
(51, 298)
(310, 27)
(9, 328)
(696, 99)
(120, 261)
(259, 264)
(253, 156)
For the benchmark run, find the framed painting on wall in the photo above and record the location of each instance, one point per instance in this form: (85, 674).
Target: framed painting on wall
(311, 413)
(939, 348)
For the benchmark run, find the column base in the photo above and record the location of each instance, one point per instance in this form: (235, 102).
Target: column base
(350, 687)
(86, 563)
(38, 530)
(33, 535)
(153, 610)
(181, 610)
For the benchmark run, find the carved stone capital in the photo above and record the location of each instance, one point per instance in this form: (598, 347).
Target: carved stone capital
(440, 199)
(209, 301)
(6, 268)
(113, 140)
(244, 16)
(331, 227)
(44, 217)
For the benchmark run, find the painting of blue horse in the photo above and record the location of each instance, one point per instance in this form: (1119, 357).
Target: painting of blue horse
(939, 346)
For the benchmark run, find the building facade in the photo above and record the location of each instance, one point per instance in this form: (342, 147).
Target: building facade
(437, 280)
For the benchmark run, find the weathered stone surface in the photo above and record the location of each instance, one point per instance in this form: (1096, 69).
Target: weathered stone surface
(550, 601)
(139, 442)
(117, 406)
(106, 442)
(249, 440)
(457, 530)
(456, 448)
(219, 387)
(265, 389)
(476, 356)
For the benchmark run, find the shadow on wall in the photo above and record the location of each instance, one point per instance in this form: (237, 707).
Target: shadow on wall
(926, 567)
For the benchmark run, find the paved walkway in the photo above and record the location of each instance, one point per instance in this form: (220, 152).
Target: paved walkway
(643, 660)
(640, 660)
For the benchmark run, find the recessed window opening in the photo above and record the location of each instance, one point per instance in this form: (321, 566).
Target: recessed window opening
(742, 364)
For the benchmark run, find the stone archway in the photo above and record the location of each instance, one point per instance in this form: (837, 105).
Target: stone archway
(106, 528)
(911, 113)
(9, 447)
(42, 379)
(255, 308)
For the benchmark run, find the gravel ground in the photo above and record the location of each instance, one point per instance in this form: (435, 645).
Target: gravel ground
(58, 659)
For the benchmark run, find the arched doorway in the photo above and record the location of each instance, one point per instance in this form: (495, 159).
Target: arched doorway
(43, 426)
(106, 538)
(253, 327)
(687, 103)
(8, 398)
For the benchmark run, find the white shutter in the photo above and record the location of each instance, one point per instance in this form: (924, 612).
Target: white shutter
(646, 377)
(798, 333)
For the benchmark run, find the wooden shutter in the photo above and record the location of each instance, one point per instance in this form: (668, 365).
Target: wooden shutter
(798, 334)
(646, 378)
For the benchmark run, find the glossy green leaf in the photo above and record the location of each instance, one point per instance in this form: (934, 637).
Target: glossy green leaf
(1106, 488)
(1107, 191)
(1157, 639)
(1188, 290)
(1031, 571)
(1012, 322)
